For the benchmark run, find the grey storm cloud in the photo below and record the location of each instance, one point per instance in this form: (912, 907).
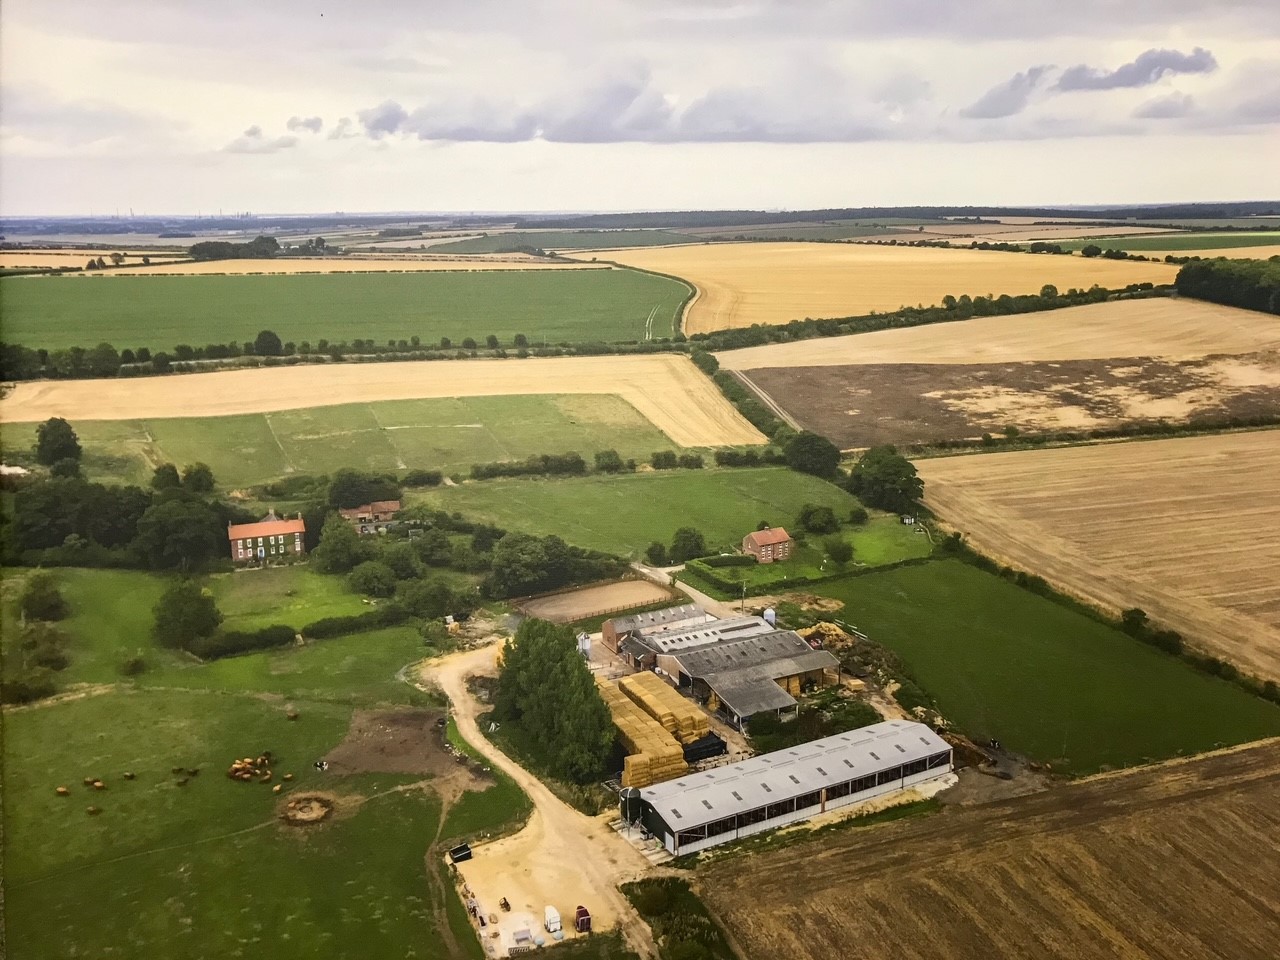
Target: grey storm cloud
(1146, 69)
(1172, 107)
(1006, 99)
(312, 124)
(383, 119)
(254, 141)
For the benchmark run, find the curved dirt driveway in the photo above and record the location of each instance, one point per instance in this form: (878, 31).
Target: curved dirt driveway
(574, 858)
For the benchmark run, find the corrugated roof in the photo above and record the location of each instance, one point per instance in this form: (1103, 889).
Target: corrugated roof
(657, 618)
(264, 528)
(770, 537)
(760, 648)
(701, 798)
(753, 689)
(703, 634)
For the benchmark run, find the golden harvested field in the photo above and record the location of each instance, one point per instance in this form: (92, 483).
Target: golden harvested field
(744, 283)
(1173, 862)
(1023, 233)
(1188, 529)
(74, 258)
(351, 264)
(1171, 328)
(1239, 253)
(667, 389)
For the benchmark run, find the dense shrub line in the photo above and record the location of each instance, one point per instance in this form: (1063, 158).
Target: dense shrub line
(698, 572)
(384, 615)
(231, 642)
(1252, 284)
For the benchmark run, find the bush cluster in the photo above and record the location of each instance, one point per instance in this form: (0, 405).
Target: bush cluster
(542, 465)
(230, 642)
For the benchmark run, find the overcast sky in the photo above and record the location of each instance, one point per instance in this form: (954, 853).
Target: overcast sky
(451, 105)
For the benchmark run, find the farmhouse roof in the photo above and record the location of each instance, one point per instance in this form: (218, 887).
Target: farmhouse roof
(268, 526)
(377, 506)
(702, 798)
(768, 538)
(654, 619)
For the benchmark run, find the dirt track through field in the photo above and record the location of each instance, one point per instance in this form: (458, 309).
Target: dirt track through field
(1159, 327)
(744, 283)
(667, 389)
(1187, 529)
(1166, 863)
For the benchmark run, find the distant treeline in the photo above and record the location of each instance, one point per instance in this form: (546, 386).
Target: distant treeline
(258, 248)
(1252, 284)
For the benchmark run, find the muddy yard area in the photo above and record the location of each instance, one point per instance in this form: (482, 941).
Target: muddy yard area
(867, 404)
(404, 741)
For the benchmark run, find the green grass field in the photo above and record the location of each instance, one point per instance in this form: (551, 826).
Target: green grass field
(445, 434)
(882, 540)
(160, 312)
(558, 240)
(136, 879)
(1047, 681)
(1178, 241)
(624, 514)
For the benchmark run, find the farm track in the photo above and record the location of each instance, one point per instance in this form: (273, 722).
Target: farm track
(1163, 862)
(1188, 529)
(746, 283)
(668, 390)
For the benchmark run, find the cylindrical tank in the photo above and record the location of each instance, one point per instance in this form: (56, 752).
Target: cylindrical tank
(630, 805)
(770, 616)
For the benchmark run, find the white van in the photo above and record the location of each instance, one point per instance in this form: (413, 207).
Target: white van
(551, 919)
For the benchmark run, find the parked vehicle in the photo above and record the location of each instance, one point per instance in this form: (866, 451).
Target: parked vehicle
(551, 919)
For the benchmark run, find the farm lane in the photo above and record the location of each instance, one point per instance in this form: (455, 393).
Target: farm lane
(574, 855)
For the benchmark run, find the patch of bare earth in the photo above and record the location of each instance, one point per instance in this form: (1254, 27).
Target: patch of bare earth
(593, 601)
(866, 404)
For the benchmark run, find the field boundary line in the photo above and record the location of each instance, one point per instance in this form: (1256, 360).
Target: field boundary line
(284, 454)
(767, 400)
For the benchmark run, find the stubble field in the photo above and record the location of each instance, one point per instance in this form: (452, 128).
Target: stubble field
(1184, 528)
(365, 264)
(666, 389)
(1156, 864)
(1166, 327)
(740, 284)
(159, 312)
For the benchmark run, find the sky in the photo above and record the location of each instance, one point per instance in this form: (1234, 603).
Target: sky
(583, 105)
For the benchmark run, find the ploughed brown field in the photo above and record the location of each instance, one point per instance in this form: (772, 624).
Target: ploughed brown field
(1174, 862)
(862, 405)
(740, 284)
(1188, 529)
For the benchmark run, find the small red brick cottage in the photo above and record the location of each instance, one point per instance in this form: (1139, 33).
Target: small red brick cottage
(269, 539)
(768, 545)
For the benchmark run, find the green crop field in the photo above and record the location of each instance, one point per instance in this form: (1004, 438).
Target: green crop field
(1046, 680)
(556, 240)
(160, 312)
(624, 514)
(1178, 241)
(135, 879)
(444, 434)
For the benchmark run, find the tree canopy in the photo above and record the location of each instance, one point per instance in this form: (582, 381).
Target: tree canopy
(340, 548)
(184, 614)
(351, 488)
(811, 453)
(56, 440)
(267, 344)
(884, 478)
(546, 687)
(686, 544)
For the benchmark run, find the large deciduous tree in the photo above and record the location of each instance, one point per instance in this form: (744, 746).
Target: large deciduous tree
(340, 548)
(810, 453)
(884, 478)
(185, 613)
(56, 440)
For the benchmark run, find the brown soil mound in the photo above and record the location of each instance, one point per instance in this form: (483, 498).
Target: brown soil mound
(306, 809)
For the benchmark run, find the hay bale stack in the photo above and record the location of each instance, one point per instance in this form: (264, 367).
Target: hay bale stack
(654, 754)
(679, 716)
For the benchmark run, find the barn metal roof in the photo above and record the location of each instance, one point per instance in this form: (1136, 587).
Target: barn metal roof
(658, 618)
(697, 635)
(700, 798)
(761, 647)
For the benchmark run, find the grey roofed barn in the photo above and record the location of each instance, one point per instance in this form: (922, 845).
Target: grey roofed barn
(773, 650)
(702, 798)
(657, 618)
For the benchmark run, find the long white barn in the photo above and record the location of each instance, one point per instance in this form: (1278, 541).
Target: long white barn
(727, 803)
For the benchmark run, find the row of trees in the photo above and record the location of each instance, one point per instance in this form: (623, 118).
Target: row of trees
(1252, 284)
(545, 687)
(32, 655)
(259, 248)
